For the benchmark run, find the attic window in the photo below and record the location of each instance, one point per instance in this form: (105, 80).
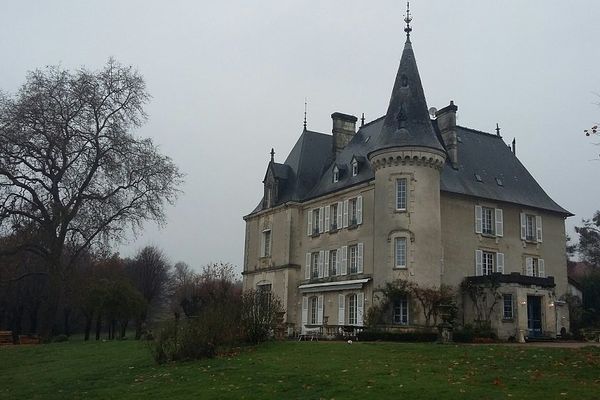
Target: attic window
(458, 139)
(336, 174)
(367, 139)
(478, 178)
(354, 168)
(499, 182)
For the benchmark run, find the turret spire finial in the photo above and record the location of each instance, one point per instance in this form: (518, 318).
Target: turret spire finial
(272, 154)
(408, 19)
(497, 129)
(305, 103)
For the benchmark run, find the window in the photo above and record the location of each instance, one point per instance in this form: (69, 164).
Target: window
(401, 194)
(314, 265)
(487, 220)
(488, 263)
(333, 263)
(400, 312)
(352, 211)
(400, 252)
(353, 259)
(266, 243)
(535, 267)
(352, 309)
(263, 291)
(313, 310)
(507, 310)
(336, 174)
(333, 212)
(354, 168)
(316, 214)
(530, 227)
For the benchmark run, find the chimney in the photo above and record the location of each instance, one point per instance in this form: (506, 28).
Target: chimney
(446, 121)
(344, 128)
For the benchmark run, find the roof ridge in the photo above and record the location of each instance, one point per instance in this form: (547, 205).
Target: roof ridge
(479, 132)
(371, 122)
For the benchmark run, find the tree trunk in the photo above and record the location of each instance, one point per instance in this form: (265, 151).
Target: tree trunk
(67, 315)
(55, 290)
(33, 318)
(98, 326)
(123, 328)
(88, 327)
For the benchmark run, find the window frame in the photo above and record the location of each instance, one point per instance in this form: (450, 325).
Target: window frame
(400, 311)
(332, 263)
(492, 256)
(315, 220)
(314, 265)
(266, 244)
(352, 300)
(333, 211)
(313, 310)
(507, 299)
(491, 220)
(354, 168)
(404, 197)
(336, 174)
(397, 240)
(530, 225)
(353, 211)
(353, 259)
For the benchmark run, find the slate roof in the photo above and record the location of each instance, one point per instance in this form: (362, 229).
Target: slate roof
(310, 173)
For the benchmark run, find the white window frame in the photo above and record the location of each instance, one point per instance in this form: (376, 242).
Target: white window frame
(353, 259)
(397, 241)
(313, 310)
(333, 262)
(507, 298)
(400, 311)
(352, 309)
(336, 174)
(354, 168)
(333, 219)
(401, 194)
(488, 262)
(530, 227)
(488, 222)
(314, 265)
(266, 245)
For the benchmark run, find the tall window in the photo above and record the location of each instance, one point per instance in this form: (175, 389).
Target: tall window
(353, 259)
(352, 211)
(263, 291)
(333, 211)
(352, 310)
(488, 263)
(401, 194)
(354, 168)
(400, 315)
(400, 252)
(336, 174)
(266, 243)
(487, 220)
(313, 310)
(315, 220)
(530, 233)
(314, 265)
(507, 310)
(332, 263)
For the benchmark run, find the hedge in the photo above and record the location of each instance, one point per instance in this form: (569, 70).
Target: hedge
(371, 336)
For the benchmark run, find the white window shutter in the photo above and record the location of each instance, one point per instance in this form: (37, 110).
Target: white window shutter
(359, 262)
(359, 209)
(538, 227)
(327, 219)
(341, 308)
(478, 219)
(326, 264)
(499, 222)
(309, 230)
(345, 225)
(500, 262)
(528, 266)
(321, 212)
(523, 226)
(344, 270)
(541, 268)
(478, 262)
(304, 312)
(320, 263)
(307, 269)
(360, 306)
(340, 213)
(320, 310)
(337, 261)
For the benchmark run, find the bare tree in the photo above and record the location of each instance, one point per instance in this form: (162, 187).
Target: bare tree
(71, 167)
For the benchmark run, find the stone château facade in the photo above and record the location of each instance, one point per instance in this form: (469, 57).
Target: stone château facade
(409, 196)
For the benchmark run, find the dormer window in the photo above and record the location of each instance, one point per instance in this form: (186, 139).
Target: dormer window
(354, 168)
(336, 174)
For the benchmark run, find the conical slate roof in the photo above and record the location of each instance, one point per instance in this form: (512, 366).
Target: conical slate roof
(407, 122)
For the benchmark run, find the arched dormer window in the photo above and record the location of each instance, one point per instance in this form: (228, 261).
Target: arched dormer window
(354, 167)
(336, 174)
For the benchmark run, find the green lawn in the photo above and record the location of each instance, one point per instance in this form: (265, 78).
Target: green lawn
(306, 370)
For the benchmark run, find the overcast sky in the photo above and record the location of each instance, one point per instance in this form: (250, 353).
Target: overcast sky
(229, 78)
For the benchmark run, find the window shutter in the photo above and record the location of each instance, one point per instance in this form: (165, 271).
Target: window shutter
(478, 262)
(359, 262)
(528, 266)
(359, 210)
(360, 306)
(263, 243)
(326, 264)
(337, 261)
(538, 227)
(321, 212)
(327, 219)
(307, 270)
(523, 226)
(541, 268)
(340, 213)
(304, 312)
(500, 262)
(499, 222)
(320, 310)
(344, 270)
(345, 225)
(309, 230)
(320, 263)
(478, 219)
(341, 308)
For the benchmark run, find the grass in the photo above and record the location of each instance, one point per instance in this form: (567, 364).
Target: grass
(306, 370)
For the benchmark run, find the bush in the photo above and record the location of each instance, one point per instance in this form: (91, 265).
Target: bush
(182, 340)
(60, 338)
(259, 316)
(371, 336)
(479, 334)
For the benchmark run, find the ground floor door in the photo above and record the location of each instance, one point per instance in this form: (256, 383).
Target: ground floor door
(534, 316)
